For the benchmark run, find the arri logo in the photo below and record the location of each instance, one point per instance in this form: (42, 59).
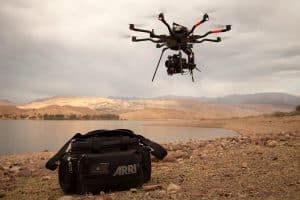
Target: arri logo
(125, 170)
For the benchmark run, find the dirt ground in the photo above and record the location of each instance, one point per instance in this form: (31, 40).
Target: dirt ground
(262, 163)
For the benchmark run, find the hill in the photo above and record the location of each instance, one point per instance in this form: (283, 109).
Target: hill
(166, 107)
(276, 99)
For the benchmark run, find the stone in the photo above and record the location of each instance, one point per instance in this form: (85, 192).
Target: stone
(2, 194)
(170, 157)
(173, 188)
(25, 173)
(133, 190)
(45, 178)
(66, 197)
(271, 143)
(244, 165)
(162, 193)
(151, 187)
(14, 169)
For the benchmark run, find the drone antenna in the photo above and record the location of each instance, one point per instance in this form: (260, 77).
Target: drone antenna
(162, 52)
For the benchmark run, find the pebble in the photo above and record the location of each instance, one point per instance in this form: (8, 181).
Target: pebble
(133, 190)
(2, 194)
(244, 165)
(45, 178)
(65, 198)
(271, 143)
(14, 169)
(173, 188)
(151, 187)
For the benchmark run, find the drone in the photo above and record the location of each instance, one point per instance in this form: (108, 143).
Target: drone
(180, 38)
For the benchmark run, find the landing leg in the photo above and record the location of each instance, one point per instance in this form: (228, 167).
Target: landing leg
(162, 52)
(180, 59)
(192, 74)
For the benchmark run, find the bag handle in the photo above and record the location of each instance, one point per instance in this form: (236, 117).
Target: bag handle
(157, 150)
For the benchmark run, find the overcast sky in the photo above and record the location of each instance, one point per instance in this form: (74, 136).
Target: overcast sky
(77, 47)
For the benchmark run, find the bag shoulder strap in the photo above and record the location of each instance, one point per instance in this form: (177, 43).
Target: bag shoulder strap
(52, 162)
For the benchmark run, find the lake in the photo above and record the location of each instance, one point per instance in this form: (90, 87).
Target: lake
(20, 136)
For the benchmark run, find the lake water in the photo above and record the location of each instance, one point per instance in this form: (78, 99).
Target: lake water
(19, 136)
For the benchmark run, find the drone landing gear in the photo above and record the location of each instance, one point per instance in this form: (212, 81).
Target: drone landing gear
(162, 52)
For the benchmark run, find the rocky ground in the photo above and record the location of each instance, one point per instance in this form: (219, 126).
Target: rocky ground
(262, 163)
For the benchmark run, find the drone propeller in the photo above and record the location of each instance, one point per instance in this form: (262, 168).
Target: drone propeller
(125, 36)
(219, 26)
(155, 16)
(196, 68)
(210, 12)
(225, 37)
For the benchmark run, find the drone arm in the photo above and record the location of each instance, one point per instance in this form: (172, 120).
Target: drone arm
(151, 33)
(208, 40)
(132, 27)
(134, 39)
(205, 18)
(162, 19)
(160, 45)
(228, 28)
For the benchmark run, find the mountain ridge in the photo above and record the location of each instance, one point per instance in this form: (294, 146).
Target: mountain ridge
(168, 106)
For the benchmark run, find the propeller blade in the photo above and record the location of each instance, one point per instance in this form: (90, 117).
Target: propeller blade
(197, 69)
(225, 38)
(219, 26)
(155, 15)
(125, 36)
(140, 25)
(210, 12)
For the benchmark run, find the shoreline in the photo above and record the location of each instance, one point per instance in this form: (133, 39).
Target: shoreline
(262, 163)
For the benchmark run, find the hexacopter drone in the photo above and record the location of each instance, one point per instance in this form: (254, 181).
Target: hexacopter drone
(180, 38)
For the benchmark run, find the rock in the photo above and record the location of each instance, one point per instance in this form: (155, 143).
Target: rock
(14, 169)
(151, 187)
(203, 155)
(67, 197)
(45, 178)
(108, 198)
(25, 173)
(173, 188)
(133, 190)
(2, 194)
(162, 193)
(170, 157)
(271, 143)
(195, 154)
(244, 165)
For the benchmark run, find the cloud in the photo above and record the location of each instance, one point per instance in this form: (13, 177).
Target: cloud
(66, 47)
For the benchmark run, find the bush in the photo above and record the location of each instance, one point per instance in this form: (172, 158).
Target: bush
(298, 108)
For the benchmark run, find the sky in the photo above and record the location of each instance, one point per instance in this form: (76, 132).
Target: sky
(81, 48)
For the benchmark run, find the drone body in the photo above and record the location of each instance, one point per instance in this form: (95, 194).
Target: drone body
(180, 38)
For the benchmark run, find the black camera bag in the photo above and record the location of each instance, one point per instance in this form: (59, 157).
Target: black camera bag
(104, 160)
